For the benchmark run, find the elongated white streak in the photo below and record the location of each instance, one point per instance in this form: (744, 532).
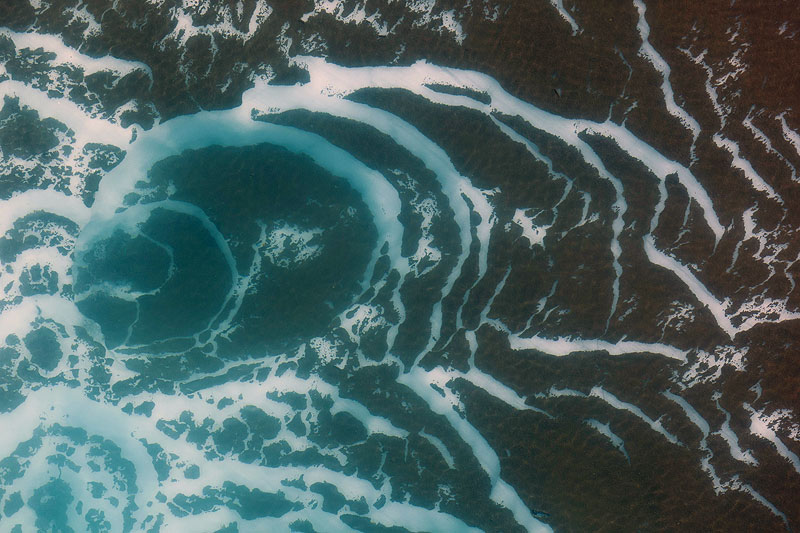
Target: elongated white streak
(702, 425)
(691, 413)
(454, 186)
(86, 128)
(564, 14)
(720, 110)
(553, 392)
(536, 236)
(605, 430)
(254, 394)
(45, 200)
(70, 408)
(616, 403)
(536, 153)
(562, 346)
(662, 167)
(717, 308)
(649, 52)
(16, 319)
(570, 136)
(66, 55)
(720, 485)
(730, 146)
(745, 487)
(323, 94)
(414, 78)
(236, 128)
(624, 89)
(502, 493)
(568, 130)
(756, 181)
(442, 449)
(729, 436)
(495, 388)
(483, 229)
(765, 140)
(791, 136)
(760, 428)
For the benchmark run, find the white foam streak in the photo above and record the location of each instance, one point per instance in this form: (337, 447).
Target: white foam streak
(342, 81)
(439, 445)
(420, 74)
(326, 77)
(766, 503)
(563, 346)
(66, 55)
(86, 128)
(717, 308)
(756, 181)
(419, 381)
(605, 430)
(663, 167)
(323, 94)
(649, 52)
(69, 407)
(765, 140)
(47, 200)
(616, 403)
(560, 393)
(497, 389)
(564, 14)
(721, 486)
(729, 436)
(691, 413)
(791, 136)
(759, 426)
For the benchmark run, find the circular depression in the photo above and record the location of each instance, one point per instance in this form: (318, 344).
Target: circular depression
(235, 249)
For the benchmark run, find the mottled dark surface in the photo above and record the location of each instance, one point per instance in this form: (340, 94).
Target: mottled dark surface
(565, 472)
